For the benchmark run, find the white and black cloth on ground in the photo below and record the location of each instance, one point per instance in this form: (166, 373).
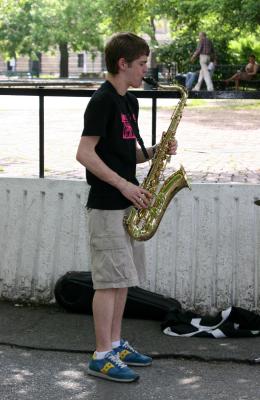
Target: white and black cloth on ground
(232, 322)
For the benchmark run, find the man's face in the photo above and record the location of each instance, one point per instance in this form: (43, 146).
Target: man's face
(135, 71)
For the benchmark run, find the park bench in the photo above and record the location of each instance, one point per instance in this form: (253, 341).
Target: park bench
(223, 72)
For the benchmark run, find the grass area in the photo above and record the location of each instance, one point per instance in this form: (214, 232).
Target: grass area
(225, 104)
(197, 103)
(219, 104)
(49, 76)
(250, 105)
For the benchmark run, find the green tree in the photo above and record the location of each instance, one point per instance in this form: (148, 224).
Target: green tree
(71, 25)
(138, 16)
(242, 19)
(227, 22)
(33, 26)
(15, 22)
(28, 27)
(243, 14)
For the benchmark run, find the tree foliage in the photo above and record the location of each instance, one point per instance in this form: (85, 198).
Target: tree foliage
(28, 27)
(227, 22)
(243, 14)
(32, 26)
(15, 22)
(137, 16)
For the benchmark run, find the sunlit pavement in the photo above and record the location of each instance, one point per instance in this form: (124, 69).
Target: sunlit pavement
(217, 143)
(44, 353)
(42, 375)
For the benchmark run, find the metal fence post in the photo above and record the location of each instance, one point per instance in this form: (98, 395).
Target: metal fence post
(154, 113)
(41, 135)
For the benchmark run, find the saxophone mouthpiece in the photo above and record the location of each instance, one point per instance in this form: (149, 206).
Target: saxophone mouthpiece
(151, 81)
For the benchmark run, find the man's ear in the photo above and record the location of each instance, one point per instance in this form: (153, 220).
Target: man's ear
(122, 64)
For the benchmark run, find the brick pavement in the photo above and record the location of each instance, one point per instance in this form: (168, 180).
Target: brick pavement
(219, 142)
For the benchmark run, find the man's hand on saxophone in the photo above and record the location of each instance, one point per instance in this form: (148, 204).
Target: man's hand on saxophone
(172, 148)
(139, 196)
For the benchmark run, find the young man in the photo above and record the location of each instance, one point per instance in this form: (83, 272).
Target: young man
(109, 152)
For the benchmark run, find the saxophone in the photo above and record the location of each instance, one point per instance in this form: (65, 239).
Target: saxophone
(141, 224)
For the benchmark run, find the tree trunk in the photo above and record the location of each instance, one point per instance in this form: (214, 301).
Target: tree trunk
(154, 43)
(64, 60)
(35, 65)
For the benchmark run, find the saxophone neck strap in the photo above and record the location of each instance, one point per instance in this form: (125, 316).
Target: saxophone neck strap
(135, 127)
(141, 143)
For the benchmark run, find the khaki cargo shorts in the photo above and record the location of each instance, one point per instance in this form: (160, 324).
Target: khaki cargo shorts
(117, 261)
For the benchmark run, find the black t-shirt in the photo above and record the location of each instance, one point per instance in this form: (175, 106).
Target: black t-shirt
(114, 119)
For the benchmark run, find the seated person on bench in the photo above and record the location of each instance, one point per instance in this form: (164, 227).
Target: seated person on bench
(248, 74)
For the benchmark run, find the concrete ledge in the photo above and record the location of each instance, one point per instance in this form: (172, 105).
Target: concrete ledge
(205, 253)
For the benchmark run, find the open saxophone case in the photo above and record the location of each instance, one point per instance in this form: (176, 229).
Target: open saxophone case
(74, 292)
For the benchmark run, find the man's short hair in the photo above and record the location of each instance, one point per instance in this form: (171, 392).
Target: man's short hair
(125, 45)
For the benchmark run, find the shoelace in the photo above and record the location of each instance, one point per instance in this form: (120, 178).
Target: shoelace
(129, 347)
(115, 359)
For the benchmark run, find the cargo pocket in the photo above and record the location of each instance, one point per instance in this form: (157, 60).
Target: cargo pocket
(109, 259)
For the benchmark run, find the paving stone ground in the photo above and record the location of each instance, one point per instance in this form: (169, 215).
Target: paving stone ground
(219, 141)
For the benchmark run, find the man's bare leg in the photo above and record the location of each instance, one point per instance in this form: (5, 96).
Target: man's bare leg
(103, 313)
(120, 301)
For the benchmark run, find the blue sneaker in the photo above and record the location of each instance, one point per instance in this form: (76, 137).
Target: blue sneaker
(111, 368)
(130, 356)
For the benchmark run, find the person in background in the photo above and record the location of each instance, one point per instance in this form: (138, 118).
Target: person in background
(250, 71)
(191, 78)
(205, 51)
(109, 152)
(211, 69)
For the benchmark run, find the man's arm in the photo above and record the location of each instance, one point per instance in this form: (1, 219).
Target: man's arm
(249, 70)
(140, 158)
(197, 52)
(255, 69)
(88, 157)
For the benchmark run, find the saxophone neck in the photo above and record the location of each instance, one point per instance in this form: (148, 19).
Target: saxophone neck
(179, 88)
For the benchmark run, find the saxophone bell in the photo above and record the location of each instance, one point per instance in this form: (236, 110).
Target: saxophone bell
(141, 224)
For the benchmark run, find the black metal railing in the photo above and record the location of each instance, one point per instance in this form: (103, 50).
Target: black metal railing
(41, 93)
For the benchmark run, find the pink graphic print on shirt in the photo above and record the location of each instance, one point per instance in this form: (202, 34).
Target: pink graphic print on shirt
(127, 128)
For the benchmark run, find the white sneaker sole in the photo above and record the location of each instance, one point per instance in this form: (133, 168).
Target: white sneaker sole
(133, 364)
(103, 376)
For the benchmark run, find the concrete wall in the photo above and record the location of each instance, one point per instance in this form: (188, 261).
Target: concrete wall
(206, 252)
